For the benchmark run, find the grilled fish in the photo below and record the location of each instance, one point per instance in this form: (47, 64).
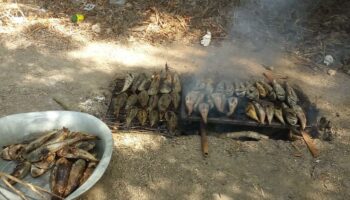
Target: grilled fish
(252, 92)
(219, 101)
(20, 171)
(85, 145)
(166, 82)
(129, 79)
(145, 84)
(280, 92)
(199, 85)
(130, 115)
(119, 102)
(260, 112)
(291, 96)
(143, 98)
(204, 110)
(153, 102)
(229, 88)
(232, 104)
(76, 153)
(301, 116)
(137, 82)
(176, 83)
(39, 168)
(190, 100)
(209, 86)
(251, 112)
(154, 87)
(200, 99)
(131, 101)
(87, 173)
(39, 141)
(261, 90)
(62, 175)
(153, 117)
(279, 114)
(220, 87)
(289, 114)
(142, 117)
(53, 178)
(43, 151)
(13, 152)
(171, 120)
(269, 110)
(164, 102)
(175, 99)
(240, 89)
(75, 175)
(59, 137)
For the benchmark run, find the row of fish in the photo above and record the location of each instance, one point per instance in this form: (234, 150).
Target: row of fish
(162, 82)
(266, 111)
(149, 99)
(68, 155)
(262, 96)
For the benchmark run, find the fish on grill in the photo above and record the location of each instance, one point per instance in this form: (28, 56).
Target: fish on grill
(204, 110)
(175, 99)
(261, 89)
(270, 93)
(153, 117)
(301, 116)
(171, 120)
(260, 111)
(251, 112)
(190, 100)
(155, 84)
(163, 104)
(130, 115)
(166, 82)
(131, 101)
(119, 102)
(143, 98)
(291, 96)
(137, 82)
(289, 114)
(280, 92)
(219, 101)
(200, 99)
(129, 79)
(269, 110)
(176, 83)
(142, 117)
(278, 113)
(220, 87)
(240, 89)
(232, 105)
(252, 92)
(145, 84)
(153, 102)
(229, 88)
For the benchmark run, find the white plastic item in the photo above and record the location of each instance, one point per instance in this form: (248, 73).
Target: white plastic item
(206, 39)
(328, 60)
(21, 127)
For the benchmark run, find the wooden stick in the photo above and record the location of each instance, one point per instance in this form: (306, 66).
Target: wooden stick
(18, 192)
(204, 138)
(310, 144)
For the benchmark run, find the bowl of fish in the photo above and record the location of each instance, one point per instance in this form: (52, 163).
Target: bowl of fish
(52, 154)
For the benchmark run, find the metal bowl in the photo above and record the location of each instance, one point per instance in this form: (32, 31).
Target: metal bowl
(20, 127)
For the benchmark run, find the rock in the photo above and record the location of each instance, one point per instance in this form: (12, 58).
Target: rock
(328, 60)
(117, 2)
(331, 72)
(128, 5)
(96, 28)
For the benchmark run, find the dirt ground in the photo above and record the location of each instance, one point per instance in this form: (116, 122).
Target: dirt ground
(146, 165)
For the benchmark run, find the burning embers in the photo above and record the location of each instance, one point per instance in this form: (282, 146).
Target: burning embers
(146, 100)
(259, 101)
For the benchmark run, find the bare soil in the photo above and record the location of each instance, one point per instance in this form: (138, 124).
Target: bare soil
(146, 165)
